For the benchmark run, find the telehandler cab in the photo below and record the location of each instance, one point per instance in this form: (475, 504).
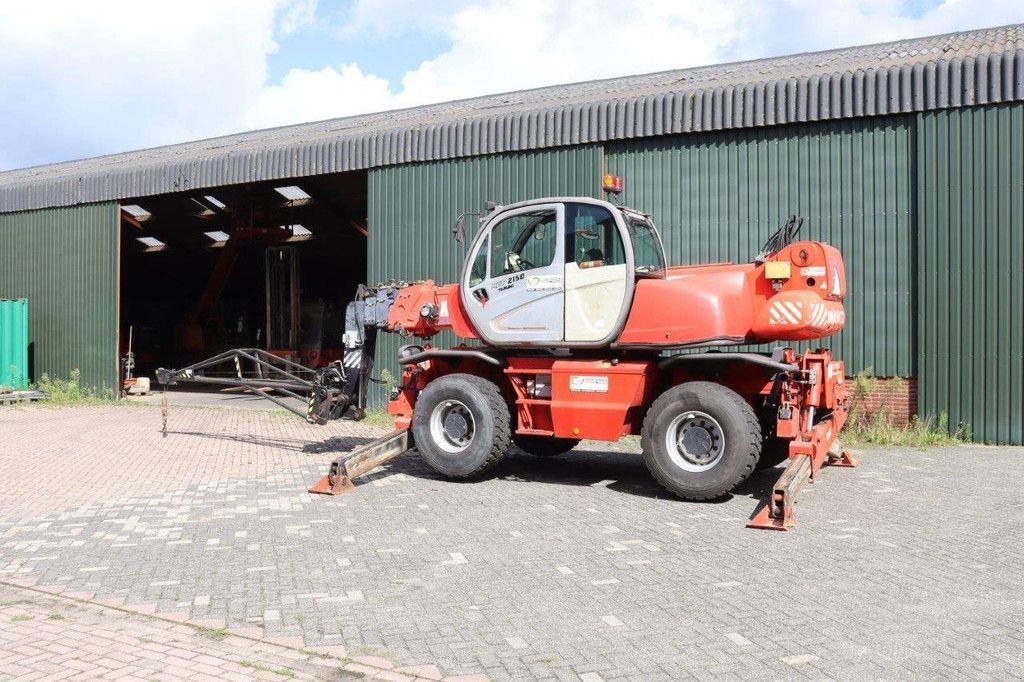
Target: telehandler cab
(570, 307)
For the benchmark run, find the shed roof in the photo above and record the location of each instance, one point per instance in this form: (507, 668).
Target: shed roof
(951, 70)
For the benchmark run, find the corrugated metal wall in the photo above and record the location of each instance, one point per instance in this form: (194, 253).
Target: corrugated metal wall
(971, 255)
(719, 196)
(65, 262)
(413, 207)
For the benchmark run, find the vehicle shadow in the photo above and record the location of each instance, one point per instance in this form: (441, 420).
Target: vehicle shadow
(619, 471)
(335, 445)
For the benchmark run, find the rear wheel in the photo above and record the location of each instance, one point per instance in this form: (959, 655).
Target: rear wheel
(700, 440)
(461, 425)
(544, 446)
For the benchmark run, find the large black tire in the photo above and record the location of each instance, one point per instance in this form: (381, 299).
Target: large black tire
(715, 436)
(461, 425)
(544, 446)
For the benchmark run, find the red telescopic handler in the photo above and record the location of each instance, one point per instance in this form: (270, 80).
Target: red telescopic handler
(571, 325)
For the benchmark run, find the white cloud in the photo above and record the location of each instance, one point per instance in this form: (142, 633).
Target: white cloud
(499, 46)
(314, 95)
(80, 78)
(296, 15)
(526, 44)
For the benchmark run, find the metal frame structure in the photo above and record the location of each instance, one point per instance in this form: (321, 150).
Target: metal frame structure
(326, 391)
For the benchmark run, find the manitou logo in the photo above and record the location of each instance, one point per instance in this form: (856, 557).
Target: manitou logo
(824, 316)
(835, 317)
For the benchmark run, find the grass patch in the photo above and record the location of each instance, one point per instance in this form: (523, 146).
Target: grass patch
(881, 430)
(20, 617)
(373, 417)
(256, 665)
(870, 424)
(12, 602)
(213, 633)
(71, 392)
(379, 418)
(55, 616)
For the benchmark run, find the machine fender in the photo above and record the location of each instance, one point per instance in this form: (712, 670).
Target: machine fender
(420, 356)
(751, 358)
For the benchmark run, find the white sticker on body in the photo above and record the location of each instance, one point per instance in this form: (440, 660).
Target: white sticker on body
(542, 282)
(588, 384)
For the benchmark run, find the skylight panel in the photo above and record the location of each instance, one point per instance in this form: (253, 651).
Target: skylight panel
(137, 212)
(293, 193)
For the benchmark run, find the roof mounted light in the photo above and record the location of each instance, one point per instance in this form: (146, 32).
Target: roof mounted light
(612, 184)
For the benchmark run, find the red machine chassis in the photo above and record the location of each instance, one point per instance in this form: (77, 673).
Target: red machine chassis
(805, 403)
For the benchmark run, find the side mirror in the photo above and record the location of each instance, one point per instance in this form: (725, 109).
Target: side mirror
(459, 229)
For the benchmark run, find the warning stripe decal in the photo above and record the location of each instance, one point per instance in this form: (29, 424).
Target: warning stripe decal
(785, 312)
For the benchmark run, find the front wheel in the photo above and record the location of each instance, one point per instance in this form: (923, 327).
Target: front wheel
(461, 425)
(700, 440)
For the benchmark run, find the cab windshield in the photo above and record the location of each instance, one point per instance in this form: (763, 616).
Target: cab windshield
(648, 254)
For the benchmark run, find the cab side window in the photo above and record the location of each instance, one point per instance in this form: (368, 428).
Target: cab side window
(523, 242)
(478, 271)
(595, 238)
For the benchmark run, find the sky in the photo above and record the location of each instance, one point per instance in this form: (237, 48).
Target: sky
(81, 79)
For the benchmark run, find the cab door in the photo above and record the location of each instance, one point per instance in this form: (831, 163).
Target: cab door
(513, 290)
(598, 274)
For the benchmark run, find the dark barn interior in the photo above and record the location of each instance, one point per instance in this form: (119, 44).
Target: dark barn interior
(263, 265)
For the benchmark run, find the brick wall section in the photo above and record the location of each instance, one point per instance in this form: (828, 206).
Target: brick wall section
(896, 396)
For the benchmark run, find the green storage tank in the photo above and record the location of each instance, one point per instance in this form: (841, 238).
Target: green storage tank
(14, 342)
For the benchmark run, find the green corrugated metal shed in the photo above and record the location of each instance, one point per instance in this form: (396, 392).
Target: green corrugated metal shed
(412, 209)
(970, 259)
(14, 343)
(65, 262)
(907, 156)
(717, 197)
(942, 190)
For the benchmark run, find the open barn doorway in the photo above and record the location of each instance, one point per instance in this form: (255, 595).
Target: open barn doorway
(267, 265)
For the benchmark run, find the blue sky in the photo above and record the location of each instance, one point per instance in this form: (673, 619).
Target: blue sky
(325, 41)
(84, 79)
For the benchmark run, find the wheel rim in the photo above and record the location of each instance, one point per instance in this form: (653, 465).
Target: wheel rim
(695, 441)
(452, 426)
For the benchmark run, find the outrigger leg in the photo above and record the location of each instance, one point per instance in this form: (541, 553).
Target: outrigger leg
(813, 423)
(338, 480)
(777, 512)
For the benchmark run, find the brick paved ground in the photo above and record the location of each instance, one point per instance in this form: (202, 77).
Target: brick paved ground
(576, 567)
(49, 637)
